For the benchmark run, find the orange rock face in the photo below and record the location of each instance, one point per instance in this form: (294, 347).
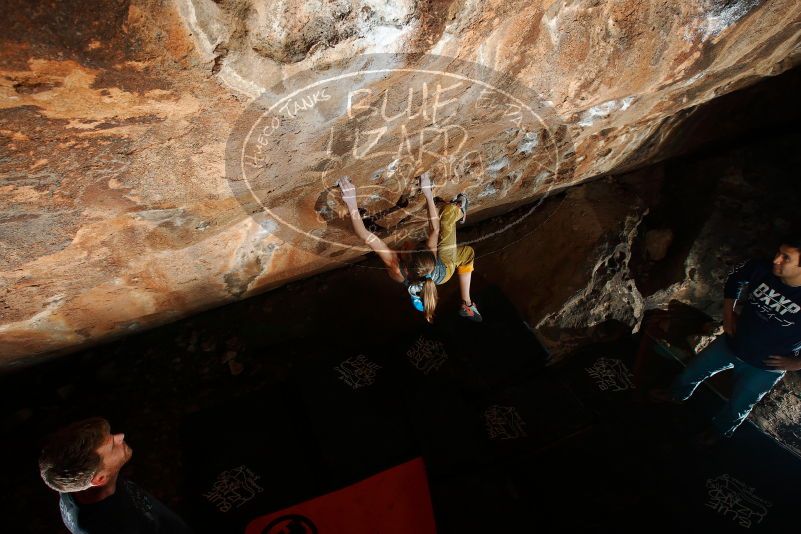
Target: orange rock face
(119, 209)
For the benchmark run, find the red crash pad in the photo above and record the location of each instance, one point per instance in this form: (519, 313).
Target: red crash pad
(395, 501)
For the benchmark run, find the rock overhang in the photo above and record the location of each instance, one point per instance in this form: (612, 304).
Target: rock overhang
(119, 213)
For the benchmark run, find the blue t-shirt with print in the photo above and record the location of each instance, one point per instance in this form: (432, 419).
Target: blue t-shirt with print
(770, 321)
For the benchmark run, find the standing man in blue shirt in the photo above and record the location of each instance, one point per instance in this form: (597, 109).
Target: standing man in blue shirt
(82, 462)
(760, 343)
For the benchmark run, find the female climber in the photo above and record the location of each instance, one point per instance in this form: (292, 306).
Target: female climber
(421, 271)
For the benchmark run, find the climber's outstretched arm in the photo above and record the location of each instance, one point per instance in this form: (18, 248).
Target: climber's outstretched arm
(388, 256)
(433, 213)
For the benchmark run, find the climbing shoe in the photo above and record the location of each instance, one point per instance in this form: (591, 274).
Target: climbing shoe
(462, 202)
(470, 312)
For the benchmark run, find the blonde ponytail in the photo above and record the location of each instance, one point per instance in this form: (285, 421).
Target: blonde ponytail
(429, 299)
(419, 265)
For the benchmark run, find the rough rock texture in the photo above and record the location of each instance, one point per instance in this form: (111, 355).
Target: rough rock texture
(115, 212)
(610, 295)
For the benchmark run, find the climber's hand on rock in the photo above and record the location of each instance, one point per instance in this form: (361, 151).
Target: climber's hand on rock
(425, 184)
(348, 192)
(783, 363)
